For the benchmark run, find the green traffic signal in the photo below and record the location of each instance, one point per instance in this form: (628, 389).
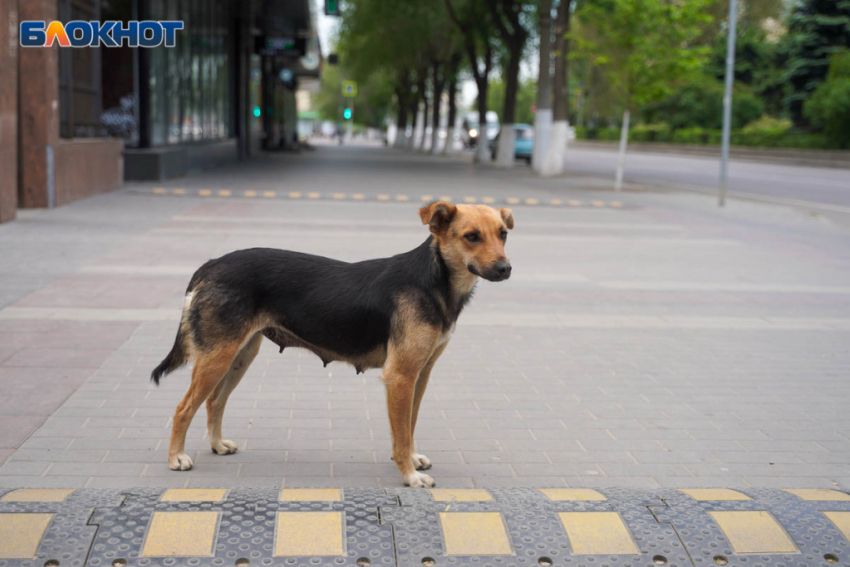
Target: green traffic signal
(347, 114)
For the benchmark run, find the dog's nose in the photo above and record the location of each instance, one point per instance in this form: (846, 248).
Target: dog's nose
(503, 269)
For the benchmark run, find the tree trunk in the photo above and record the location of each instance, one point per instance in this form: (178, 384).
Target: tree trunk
(553, 163)
(507, 141)
(482, 152)
(439, 82)
(401, 122)
(414, 119)
(621, 161)
(543, 116)
(423, 87)
(451, 126)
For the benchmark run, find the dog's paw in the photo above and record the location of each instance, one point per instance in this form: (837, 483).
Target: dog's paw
(180, 462)
(419, 480)
(420, 462)
(224, 447)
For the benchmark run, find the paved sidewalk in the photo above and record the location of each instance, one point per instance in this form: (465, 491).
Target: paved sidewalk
(658, 342)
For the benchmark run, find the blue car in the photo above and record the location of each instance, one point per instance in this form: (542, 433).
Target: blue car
(523, 142)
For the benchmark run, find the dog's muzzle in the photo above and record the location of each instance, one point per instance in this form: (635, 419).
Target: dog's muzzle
(498, 272)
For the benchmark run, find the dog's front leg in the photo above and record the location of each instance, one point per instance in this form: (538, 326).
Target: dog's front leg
(401, 387)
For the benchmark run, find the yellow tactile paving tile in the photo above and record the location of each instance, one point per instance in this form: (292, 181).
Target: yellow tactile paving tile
(475, 533)
(753, 532)
(20, 534)
(309, 533)
(598, 533)
(571, 494)
(37, 495)
(460, 494)
(719, 494)
(311, 495)
(181, 534)
(818, 494)
(841, 521)
(194, 495)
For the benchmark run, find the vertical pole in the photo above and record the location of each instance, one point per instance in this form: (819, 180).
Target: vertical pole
(727, 100)
(621, 160)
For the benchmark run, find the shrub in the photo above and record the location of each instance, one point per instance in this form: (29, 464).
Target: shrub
(651, 133)
(691, 136)
(829, 106)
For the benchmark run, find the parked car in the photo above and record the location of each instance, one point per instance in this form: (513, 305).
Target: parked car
(523, 142)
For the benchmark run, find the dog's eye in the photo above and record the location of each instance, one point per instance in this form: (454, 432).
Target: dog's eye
(472, 236)
(503, 235)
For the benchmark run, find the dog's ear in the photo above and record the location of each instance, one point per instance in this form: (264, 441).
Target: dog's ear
(438, 216)
(508, 217)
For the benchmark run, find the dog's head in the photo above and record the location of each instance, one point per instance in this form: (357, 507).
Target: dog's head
(471, 237)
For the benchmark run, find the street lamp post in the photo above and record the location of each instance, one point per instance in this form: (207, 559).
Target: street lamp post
(727, 100)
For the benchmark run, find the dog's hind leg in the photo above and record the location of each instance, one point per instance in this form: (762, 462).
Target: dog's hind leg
(421, 462)
(209, 369)
(218, 399)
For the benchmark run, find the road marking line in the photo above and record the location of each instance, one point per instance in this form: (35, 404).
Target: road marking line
(250, 193)
(469, 199)
(512, 200)
(460, 494)
(181, 534)
(224, 193)
(598, 533)
(427, 198)
(572, 494)
(446, 198)
(616, 203)
(204, 192)
(160, 190)
(818, 494)
(194, 495)
(383, 197)
(339, 196)
(309, 534)
(574, 203)
(402, 198)
(531, 201)
(310, 495)
(20, 534)
(556, 202)
(475, 533)
(38, 495)
(270, 194)
(719, 494)
(598, 203)
(358, 196)
(313, 195)
(295, 195)
(179, 191)
(488, 200)
(753, 532)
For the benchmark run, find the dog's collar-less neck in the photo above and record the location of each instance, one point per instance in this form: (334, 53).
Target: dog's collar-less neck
(455, 295)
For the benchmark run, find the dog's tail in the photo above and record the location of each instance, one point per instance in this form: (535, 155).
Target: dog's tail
(179, 354)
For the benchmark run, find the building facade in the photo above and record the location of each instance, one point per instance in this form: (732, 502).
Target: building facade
(78, 121)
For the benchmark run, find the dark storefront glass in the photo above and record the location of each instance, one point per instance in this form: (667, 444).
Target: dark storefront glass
(189, 93)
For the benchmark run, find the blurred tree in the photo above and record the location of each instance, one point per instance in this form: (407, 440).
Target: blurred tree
(543, 116)
(643, 47)
(816, 30)
(829, 106)
(509, 19)
(525, 100)
(553, 162)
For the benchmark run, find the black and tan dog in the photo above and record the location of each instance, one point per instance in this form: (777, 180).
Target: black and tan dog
(393, 313)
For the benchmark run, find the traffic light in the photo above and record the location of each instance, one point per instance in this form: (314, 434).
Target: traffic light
(332, 7)
(347, 114)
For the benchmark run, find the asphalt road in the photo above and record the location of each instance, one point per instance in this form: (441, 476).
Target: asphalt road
(818, 185)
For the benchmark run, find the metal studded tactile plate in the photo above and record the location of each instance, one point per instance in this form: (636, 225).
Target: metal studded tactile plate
(413, 527)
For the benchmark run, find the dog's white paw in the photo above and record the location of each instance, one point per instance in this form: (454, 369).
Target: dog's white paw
(420, 462)
(180, 462)
(224, 446)
(419, 480)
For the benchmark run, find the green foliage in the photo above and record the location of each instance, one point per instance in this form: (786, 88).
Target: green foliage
(659, 132)
(700, 104)
(643, 47)
(525, 99)
(829, 106)
(816, 30)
